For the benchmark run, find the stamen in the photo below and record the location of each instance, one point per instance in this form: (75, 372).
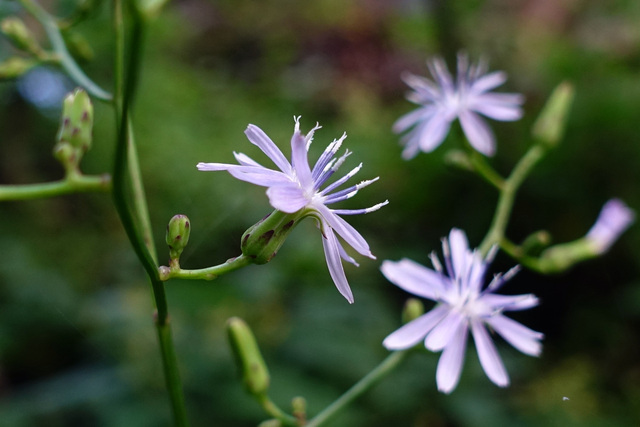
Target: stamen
(348, 192)
(360, 211)
(338, 182)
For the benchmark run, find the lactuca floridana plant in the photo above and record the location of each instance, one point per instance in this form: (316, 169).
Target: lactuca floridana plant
(446, 99)
(462, 305)
(294, 190)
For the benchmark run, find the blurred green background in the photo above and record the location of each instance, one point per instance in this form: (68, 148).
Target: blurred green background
(77, 342)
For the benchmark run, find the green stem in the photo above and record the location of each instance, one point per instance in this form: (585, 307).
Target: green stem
(209, 273)
(57, 42)
(273, 410)
(485, 170)
(382, 370)
(68, 185)
(508, 192)
(127, 182)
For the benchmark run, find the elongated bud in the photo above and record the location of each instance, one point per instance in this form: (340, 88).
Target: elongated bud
(261, 241)
(20, 35)
(77, 121)
(15, 67)
(615, 217)
(299, 406)
(550, 125)
(177, 236)
(413, 309)
(253, 369)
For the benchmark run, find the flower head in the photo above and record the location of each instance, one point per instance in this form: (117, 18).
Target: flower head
(296, 187)
(615, 217)
(444, 100)
(462, 305)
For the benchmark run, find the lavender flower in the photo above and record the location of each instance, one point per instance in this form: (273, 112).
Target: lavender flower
(615, 217)
(444, 100)
(295, 187)
(462, 305)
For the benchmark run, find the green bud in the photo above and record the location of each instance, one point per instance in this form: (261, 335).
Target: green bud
(253, 369)
(78, 45)
(299, 406)
(15, 67)
(549, 127)
(261, 242)
(413, 309)
(77, 121)
(535, 242)
(177, 235)
(20, 35)
(150, 8)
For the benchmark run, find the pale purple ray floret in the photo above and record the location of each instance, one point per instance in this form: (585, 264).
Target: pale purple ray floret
(462, 305)
(443, 100)
(295, 186)
(615, 217)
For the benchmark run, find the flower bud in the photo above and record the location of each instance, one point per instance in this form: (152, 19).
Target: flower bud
(535, 242)
(413, 309)
(549, 126)
(271, 423)
(177, 236)
(459, 159)
(253, 369)
(261, 242)
(77, 121)
(15, 67)
(615, 217)
(20, 35)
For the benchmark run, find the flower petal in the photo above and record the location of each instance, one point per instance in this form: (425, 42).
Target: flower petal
(287, 198)
(415, 278)
(413, 332)
(478, 133)
(450, 363)
(299, 160)
(488, 82)
(345, 230)
(332, 254)
(488, 355)
(442, 334)
(257, 137)
(434, 130)
(519, 336)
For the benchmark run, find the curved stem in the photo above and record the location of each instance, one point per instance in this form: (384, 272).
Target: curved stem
(273, 410)
(209, 273)
(485, 170)
(127, 183)
(507, 196)
(68, 185)
(68, 63)
(382, 370)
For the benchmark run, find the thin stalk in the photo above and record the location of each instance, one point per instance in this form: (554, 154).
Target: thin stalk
(67, 62)
(77, 184)
(508, 192)
(209, 273)
(485, 170)
(381, 371)
(127, 182)
(273, 410)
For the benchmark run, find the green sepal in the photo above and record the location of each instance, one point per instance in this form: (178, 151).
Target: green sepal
(261, 241)
(253, 369)
(561, 257)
